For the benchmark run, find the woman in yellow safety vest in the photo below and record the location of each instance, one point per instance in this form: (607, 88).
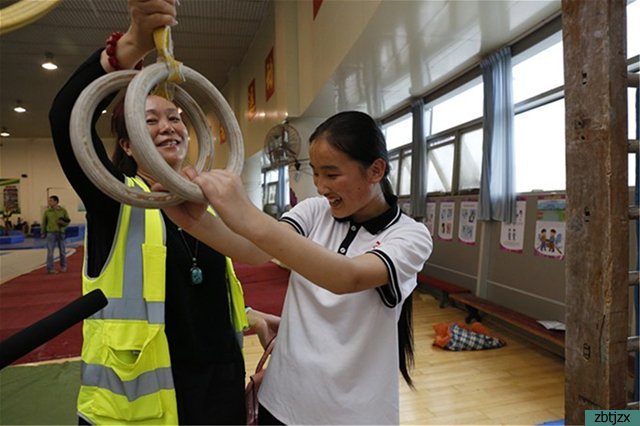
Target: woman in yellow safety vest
(167, 347)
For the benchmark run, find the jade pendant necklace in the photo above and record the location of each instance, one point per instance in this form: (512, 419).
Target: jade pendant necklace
(195, 273)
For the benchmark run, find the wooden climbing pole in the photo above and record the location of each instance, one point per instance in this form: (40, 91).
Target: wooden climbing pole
(597, 250)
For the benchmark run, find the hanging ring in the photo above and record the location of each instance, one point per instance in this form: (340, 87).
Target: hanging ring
(142, 145)
(82, 142)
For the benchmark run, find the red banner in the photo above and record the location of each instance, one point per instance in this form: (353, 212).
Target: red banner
(251, 100)
(269, 75)
(316, 7)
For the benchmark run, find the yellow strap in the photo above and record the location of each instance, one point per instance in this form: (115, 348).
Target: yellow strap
(164, 46)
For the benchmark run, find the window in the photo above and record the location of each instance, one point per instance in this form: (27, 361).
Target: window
(269, 186)
(539, 137)
(454, 143)
(393, 172)
(440, 166)
(539, 148)
(405, 173)
(460, 108)
(538, 71)
(399, 132)
(400, 173)
(470, 160)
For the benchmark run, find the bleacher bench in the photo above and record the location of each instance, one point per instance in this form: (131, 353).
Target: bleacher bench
(475, 305)
(445, 288)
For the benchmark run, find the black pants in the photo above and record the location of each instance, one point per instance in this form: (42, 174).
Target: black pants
(266, 418)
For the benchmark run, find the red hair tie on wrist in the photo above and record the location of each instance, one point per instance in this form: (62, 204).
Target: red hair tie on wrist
(112, 48)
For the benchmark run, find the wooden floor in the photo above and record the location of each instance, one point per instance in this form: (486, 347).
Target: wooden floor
(519, 384)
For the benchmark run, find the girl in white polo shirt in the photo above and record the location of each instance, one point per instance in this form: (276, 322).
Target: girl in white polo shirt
(346, 321)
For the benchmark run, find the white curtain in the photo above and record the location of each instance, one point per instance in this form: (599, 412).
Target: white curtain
(497, 187)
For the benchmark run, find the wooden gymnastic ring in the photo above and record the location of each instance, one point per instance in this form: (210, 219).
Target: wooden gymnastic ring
(24, 12)
(142, 145)
(82, 142)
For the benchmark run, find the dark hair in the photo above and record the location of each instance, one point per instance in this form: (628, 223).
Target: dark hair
(359, 136)
(55, 198)
(123, 162)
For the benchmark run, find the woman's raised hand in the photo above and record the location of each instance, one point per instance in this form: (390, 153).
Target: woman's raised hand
(147, 16)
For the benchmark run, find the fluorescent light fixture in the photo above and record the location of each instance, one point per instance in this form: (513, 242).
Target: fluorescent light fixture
(48, 64)
(19, 108)
(4, 132)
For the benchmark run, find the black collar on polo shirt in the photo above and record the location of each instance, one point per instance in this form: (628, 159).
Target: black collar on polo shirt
(378, 223)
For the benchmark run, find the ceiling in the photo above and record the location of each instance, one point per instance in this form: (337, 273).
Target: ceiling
(408, 48)
(411, 47)
(212, 37)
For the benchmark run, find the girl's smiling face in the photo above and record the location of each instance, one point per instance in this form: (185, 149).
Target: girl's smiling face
(350, 189)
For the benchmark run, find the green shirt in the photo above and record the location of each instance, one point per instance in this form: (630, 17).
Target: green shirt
(55, 219)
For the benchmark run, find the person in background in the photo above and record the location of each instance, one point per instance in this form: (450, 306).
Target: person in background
(54, 223)
(167, 348)
(346, 323)
(6, 219)
(22, 226)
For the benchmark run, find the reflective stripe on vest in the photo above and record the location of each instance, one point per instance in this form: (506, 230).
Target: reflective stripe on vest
(132, 306)
(145, 384)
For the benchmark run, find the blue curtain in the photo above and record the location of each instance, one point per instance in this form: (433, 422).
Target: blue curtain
(280, 190)
(497, 187)
(418, 162)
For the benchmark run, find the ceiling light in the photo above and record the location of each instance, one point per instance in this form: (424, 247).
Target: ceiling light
(19, 108)
(48, 64)
(4, 132)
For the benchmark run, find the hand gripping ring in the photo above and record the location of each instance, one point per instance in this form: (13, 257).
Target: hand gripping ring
(82, 143)
(142, 145)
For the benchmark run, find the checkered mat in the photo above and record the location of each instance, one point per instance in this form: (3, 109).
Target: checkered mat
(461, 337)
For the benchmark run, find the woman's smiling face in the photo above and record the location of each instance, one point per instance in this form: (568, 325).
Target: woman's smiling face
(167, 130)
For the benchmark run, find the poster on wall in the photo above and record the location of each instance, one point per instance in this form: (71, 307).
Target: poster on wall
(445, 223)
(430, 217)
(512, 234)
(468, 223)
(251, 100)
(10, 201)
(550, 227)
(269, 76)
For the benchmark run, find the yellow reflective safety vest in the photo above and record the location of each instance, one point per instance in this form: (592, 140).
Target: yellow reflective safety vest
(126, 369)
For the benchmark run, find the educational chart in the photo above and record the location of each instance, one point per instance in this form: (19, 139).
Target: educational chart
(445, 224)
(512, 234)
(430, 217)
(468, 223)
(550, 227)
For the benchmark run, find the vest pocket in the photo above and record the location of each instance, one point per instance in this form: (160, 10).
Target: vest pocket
(133, 375)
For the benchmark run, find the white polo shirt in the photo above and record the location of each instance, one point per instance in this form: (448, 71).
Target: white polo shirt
(336, 360)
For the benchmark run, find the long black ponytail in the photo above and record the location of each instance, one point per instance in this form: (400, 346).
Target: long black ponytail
(359, 136)
(405, 339)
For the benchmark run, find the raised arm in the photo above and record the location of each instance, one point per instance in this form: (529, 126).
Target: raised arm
(332, 271)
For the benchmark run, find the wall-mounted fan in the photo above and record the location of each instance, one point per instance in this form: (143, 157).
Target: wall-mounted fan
(282, 145)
